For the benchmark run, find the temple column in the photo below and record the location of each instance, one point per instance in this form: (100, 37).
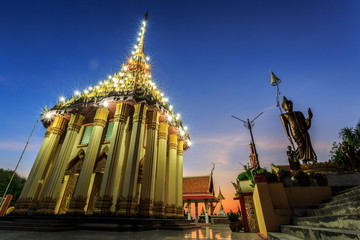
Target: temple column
(147, 187)
(171, 177)
(21, 204)
(179, 179)
(56, 129)
(159, 198)
(196, 212)
(206, 211)
(36, 165)
(189, 210)
(78, 201)
(48, 203)
(127, 201)
(114, 162)
(124, 152)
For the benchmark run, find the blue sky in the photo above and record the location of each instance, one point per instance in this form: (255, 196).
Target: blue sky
(211, 58)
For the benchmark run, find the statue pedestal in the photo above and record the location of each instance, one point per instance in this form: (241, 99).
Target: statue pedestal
(340, 180)
(320, 167)
(219, 219)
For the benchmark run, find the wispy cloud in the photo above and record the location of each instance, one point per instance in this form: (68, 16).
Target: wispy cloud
(218, 149)
(19, 145)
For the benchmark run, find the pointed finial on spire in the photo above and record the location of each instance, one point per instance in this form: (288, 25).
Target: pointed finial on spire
(140, 47)
(220, 196)
(274, 79)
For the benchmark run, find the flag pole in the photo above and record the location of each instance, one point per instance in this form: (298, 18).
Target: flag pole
(7, 188)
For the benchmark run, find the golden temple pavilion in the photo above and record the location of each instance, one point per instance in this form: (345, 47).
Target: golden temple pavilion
(115, 148)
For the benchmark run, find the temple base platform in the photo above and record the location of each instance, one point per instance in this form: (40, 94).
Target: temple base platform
(100, 223)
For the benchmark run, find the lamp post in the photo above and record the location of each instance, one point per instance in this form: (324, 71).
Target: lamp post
(249, 124)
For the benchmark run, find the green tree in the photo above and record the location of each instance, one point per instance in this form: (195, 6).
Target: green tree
(16, 185)
(352, 137)
(337, 156)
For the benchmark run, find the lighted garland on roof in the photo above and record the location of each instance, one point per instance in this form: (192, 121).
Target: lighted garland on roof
(134, 81)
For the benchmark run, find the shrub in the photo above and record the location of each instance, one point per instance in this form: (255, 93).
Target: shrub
(243, 176)
(233, 216)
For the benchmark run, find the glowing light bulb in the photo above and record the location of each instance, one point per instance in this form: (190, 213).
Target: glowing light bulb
(147, 58)
(169, 117)
(144, 23)
(100, 83)
(161, 94)
(185, 128)
(137, 51)
(154, 86)
(142, 28)
(139, 33)
(115, 85)
(62, 99)
(132, 52)
(182, 133)
(77, 93)
(90, 88)
(48, 115)
(166, 99)
(135, 46)
(177, 116)
(138, 39)
(147, 66)
(189, 143)
(106, 104)
(125, 68)
(171, 107)
(121, 81)
(106, 82)
(86, 91)
(109, 76)
(97, 87)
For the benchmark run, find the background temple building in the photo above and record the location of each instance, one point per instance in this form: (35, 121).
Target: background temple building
(115, 148)
(200, 189)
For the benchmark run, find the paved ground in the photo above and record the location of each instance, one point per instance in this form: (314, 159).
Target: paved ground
(216, 232)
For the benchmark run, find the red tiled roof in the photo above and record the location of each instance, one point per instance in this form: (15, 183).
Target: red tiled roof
(196, 184)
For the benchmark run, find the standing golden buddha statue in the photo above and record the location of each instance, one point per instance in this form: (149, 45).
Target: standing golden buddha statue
(296, 127)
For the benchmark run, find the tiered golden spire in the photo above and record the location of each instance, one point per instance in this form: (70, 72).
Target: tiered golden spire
(140, 47)
(220, 196)
(134, 80)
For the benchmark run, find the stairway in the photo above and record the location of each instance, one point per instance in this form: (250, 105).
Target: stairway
(336, 218)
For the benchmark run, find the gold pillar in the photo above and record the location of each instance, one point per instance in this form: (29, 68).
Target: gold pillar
(159, 197)
(114, 163)
(78, 201)
(52, 193)
(124, 153)
(179, 179)
(171, 177)
(29, 199)
(127, 201)
(19, 205)
(36, 164)
(147, 187)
